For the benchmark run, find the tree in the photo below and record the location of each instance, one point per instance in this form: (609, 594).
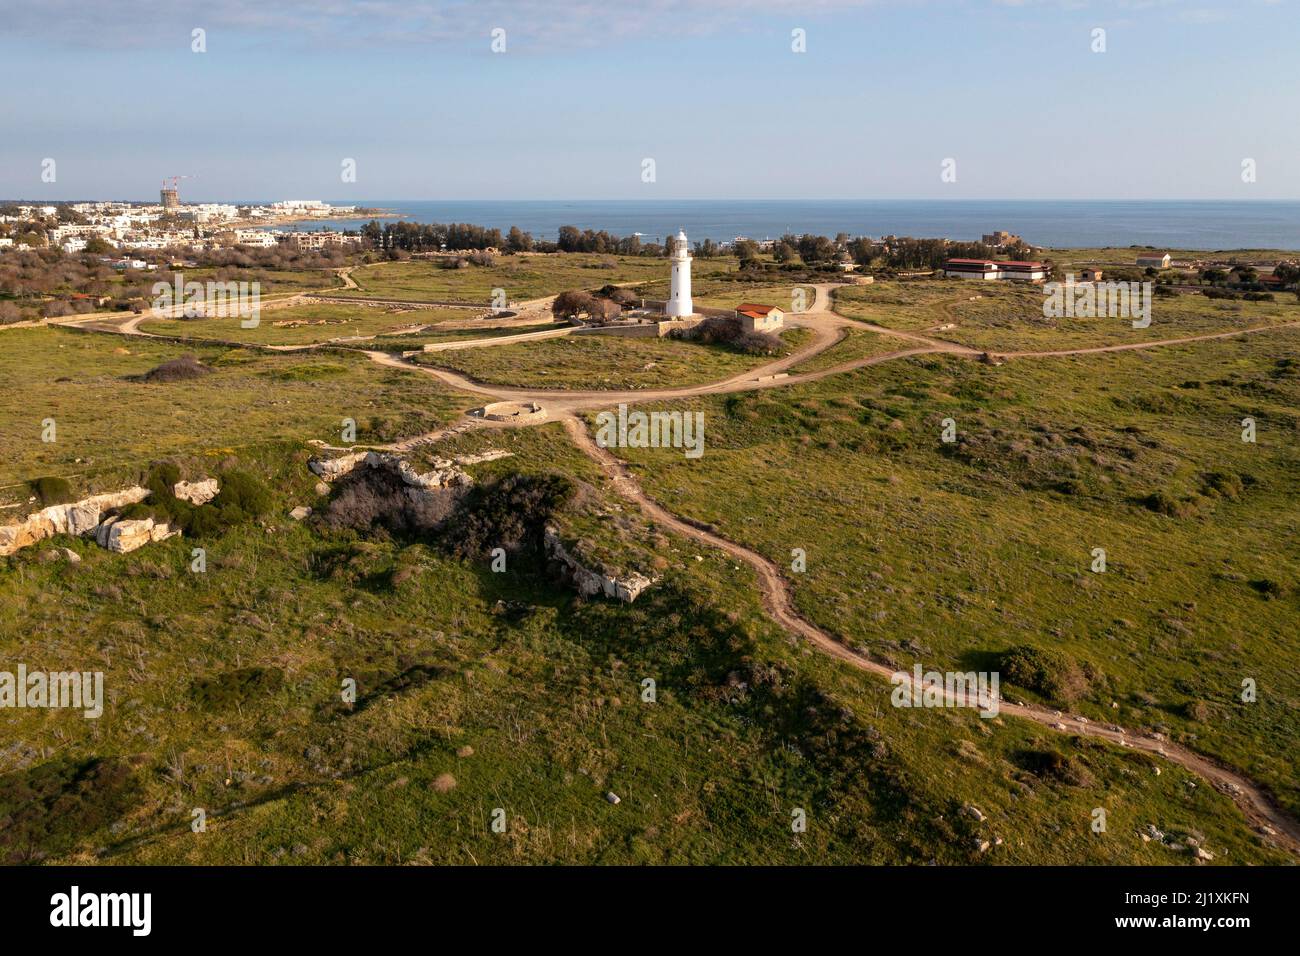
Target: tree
(518, 240)
(784, 252)
(572, 303)
(570, 239)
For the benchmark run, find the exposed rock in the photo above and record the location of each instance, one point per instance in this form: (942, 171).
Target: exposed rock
(981, 846)
(196, 492)
(590, 583)
(492, 454)
(613, 797)
(75, 518)
(444, 474)
(322, 488)
(300, 512)
(125, 535)
(974, 812)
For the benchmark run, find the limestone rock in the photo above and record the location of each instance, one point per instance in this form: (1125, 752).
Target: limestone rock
(196, 492)
(300, 512)
(590, 583)
(444, 474)
(75, 518)
(124, 535)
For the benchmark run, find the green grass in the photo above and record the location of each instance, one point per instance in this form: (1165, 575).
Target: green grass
(950, 554)
(223, 694)
(223, 687)
(592, 361)
(523, 277)
(1009, 316)
(107, 427)
(309, 324)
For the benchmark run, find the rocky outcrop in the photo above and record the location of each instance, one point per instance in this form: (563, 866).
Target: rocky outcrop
(76, 518)
(588, 582)
(127, 534)
(492, 454)
(444, 474)
(196, 492)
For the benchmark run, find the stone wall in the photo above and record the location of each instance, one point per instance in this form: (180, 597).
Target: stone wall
(588, 582)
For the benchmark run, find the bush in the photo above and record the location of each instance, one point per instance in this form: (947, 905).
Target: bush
(1161, 502)
(371, 498)
(1051, 673)
(236, 687)
(51, 490)
(182, 369)
(729, 332)
(1258, 296)
(243, 496)
(510, 513)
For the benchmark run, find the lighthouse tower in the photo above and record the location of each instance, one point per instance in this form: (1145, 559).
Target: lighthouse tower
(679, 298)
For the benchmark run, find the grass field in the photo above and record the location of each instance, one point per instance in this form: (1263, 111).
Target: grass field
(523, 277)
(308, 324)
(602, 362)
(950, 554)
(223, 696)
(485, 695)
(1009, 316)
(109, 427)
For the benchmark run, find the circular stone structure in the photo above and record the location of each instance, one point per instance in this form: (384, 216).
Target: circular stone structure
(515, 413)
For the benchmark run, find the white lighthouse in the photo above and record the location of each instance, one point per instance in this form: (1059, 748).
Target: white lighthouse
(679, 296)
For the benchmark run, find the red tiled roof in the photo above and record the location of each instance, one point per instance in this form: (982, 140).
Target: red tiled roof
(749, 308)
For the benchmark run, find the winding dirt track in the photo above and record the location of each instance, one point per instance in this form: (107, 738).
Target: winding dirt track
(828, 328)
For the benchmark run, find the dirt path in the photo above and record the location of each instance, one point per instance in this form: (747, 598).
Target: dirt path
(828, 328)
(778, 601)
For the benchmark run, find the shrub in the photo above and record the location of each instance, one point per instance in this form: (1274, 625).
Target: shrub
(1161, 502)
(1223, 485)
(236, 687)
(510, 513)
(51, 490)
(185, 368)
(1051, 673)
(729, 332)
(1051, 765)
(243, 496)
(371, 498)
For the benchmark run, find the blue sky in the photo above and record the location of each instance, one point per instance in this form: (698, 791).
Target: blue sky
(711, 91)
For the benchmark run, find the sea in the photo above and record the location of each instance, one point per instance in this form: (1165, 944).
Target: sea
(1175, 224)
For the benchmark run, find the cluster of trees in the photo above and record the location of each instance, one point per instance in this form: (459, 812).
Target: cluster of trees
(598, 308)
(413, 237)
(53, 283)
